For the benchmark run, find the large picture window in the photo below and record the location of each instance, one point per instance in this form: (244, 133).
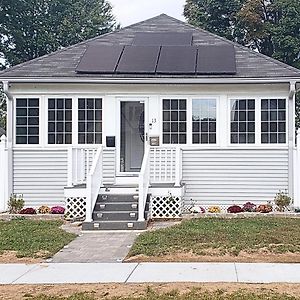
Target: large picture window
(273, 121)
(59, 121)
(242, 125)
(90, 121)
(174, 121)
(27, 121)
(204, 121)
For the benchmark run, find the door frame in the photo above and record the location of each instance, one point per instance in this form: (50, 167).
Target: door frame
(119, 100)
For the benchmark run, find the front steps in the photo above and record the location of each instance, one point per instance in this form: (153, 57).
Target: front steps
(117, 212)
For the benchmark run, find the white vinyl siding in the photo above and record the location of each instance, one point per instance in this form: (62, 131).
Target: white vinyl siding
(40, 175)
(234, 176)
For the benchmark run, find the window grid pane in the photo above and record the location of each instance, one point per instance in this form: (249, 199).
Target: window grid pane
(273, 121)
(174, 121)
(204, 121)
(242, 125)
(27, 121)
(90, 121)
(59, 121)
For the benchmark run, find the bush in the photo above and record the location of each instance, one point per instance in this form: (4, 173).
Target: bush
(214, 209)
(198, 210)
(44, 209)
(28, 211)
(282, 200)
(234, 209)
(57, 210)
(249, 207)
(15, 203)
(264, 208)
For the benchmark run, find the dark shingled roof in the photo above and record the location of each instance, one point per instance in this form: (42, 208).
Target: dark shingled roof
(63, 63)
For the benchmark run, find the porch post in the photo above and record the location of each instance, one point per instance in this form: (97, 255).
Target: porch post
(70, 167)
(178, 170)
(297, 173)
(3, 174)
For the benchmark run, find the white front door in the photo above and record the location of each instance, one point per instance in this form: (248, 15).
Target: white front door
(132, 136)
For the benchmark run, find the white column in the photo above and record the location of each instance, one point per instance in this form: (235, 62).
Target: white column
(3, 174)
(297, 173)
(178, 170)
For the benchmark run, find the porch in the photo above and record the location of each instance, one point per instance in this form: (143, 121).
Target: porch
(108, 200)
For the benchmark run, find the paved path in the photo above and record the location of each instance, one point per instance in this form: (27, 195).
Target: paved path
(98, 247)
(148, 272)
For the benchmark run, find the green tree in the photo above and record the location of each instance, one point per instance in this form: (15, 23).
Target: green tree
(271, 27)
(32, 28)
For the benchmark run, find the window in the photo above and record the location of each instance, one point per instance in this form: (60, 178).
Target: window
(89, 121)
(174, 121)
(204, 121)
(273, 121)
(27, 121)
(243, 121)
(59, 121)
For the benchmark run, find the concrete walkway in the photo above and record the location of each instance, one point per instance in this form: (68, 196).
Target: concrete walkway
(97, 247)
(148, 272)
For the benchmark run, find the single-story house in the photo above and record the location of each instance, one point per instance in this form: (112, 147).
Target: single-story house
(157, 109)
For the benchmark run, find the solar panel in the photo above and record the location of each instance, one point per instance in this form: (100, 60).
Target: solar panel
(163, 39)
(216, 59)
(138, 59)
(100, 59)
(177, 60)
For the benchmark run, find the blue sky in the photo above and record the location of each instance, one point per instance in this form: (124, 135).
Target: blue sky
(132, 11)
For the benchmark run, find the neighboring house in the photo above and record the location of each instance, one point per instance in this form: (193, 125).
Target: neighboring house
(155, 108)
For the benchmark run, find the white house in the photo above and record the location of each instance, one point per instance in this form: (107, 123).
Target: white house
(155, 108)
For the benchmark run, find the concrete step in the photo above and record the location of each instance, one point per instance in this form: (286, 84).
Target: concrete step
(115, 225)
(117, 198)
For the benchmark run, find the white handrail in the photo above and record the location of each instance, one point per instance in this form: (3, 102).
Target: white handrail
(93, 184)
(144, 181)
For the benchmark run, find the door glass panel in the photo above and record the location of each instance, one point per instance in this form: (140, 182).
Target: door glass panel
(132, 136)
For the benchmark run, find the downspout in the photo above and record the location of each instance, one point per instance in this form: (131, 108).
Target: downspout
(291, 136)
(9, 135)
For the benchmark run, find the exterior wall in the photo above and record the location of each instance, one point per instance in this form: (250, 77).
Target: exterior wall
(40, 176)
(234, 176)
(240, 172)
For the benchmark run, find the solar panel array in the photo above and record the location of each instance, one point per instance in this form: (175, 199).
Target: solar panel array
(152, 54)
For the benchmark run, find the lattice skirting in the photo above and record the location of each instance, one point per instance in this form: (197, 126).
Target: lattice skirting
(75, 208)
(165, 207)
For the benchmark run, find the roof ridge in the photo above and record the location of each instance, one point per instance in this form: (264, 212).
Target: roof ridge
(78, 44)
(285, 65)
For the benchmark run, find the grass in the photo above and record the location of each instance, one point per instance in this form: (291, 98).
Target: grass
(31, 238)
(227, 236)
(175, 295)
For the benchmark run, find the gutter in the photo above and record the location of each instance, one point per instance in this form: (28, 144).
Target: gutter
(157, 80)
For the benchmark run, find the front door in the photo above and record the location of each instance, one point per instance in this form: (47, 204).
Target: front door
(132, 136)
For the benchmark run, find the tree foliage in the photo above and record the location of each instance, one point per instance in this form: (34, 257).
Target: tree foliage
(271, 27)
(32, 28)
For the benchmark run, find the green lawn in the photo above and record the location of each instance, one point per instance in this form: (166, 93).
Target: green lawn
(31, 238)
(228, 236)
(194, 295)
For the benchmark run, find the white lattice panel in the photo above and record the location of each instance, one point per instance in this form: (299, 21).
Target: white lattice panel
(166, 208)
(75, 207)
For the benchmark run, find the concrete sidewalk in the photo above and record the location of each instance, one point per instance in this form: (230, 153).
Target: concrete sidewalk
(55, 273)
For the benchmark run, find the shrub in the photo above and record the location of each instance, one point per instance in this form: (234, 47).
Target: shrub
(264, 208)
(57, 210)
(234, 209)
(249, 207)
(214, 209)
(15, 203)
(28, 211)
(282, 200)
(44, 209)
(198, 209)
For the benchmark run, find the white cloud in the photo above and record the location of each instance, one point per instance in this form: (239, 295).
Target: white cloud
(132, 11)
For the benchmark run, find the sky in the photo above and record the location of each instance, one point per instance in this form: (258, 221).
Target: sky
(128, 12)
